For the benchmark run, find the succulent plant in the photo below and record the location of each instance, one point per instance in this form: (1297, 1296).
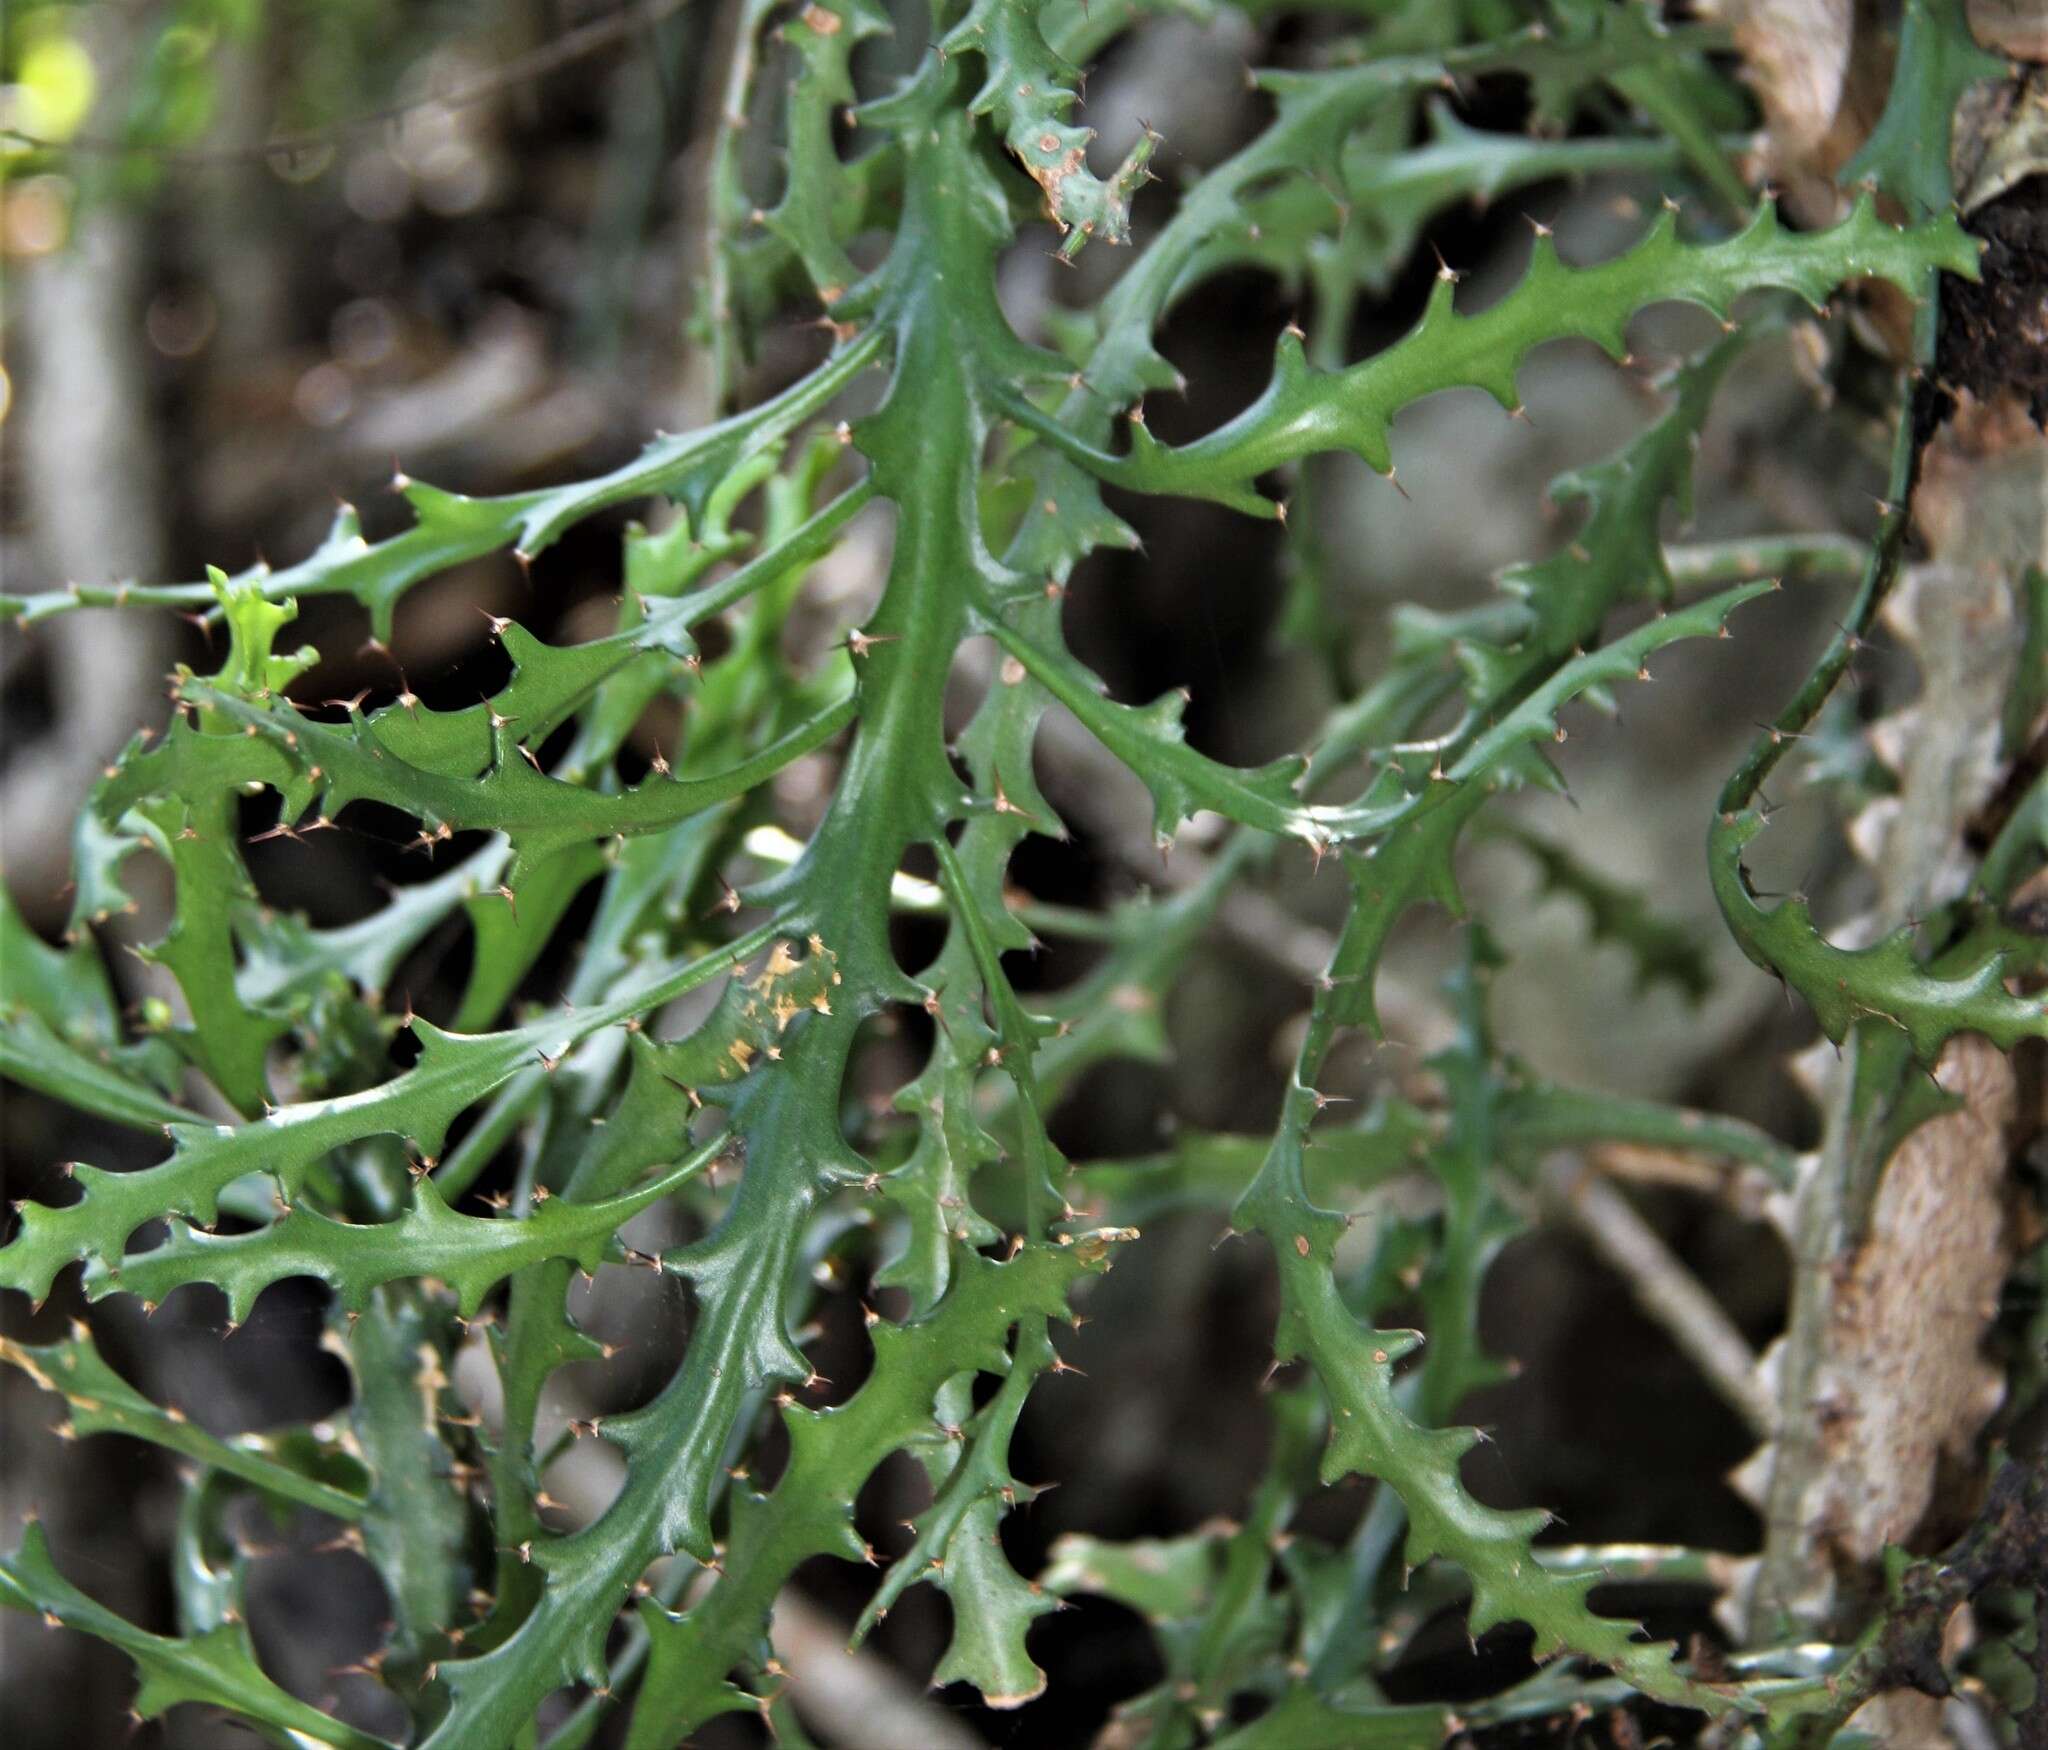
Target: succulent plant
(997, 458)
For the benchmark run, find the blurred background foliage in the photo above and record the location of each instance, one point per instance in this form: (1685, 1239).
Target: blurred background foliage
(258, 250)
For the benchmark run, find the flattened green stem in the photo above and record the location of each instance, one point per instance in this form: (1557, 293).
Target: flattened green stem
(217, 1669)
(804, 545)
(895, 788)
(831, 1456)
(102, 1402)
(1017, 1037)
(539, 813)
(454, 1072)
(1961, 990)
(1316, 111)
(1441, 1584)
(1785, 1681)
(471, 1253)
(1149, 741)
(1618, 1564)
(1305, 411)
(34, 1056)
(1371, 1432)
(1707, 155)
(452, 530)
(513, 1104)
(416, 1520)
(735, 692)
(1879, 572)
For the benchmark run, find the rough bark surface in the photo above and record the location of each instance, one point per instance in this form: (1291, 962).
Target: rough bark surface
(1905, 1383)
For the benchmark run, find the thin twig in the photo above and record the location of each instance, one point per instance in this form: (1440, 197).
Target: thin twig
(851, 1697)
(1663, 1287)
(722, 188)
(1738, 1185)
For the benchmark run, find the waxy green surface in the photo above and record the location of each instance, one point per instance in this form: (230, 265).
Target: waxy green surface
(611, 1121)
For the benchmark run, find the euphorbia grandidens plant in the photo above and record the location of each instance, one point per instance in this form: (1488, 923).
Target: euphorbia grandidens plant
(320, 1157)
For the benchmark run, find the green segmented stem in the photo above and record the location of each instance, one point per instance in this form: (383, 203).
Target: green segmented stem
(992, 455)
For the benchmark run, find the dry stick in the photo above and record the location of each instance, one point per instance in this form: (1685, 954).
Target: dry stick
(571, 45)
(1741, 1188)
(854, 1699)
(1663, 1287)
